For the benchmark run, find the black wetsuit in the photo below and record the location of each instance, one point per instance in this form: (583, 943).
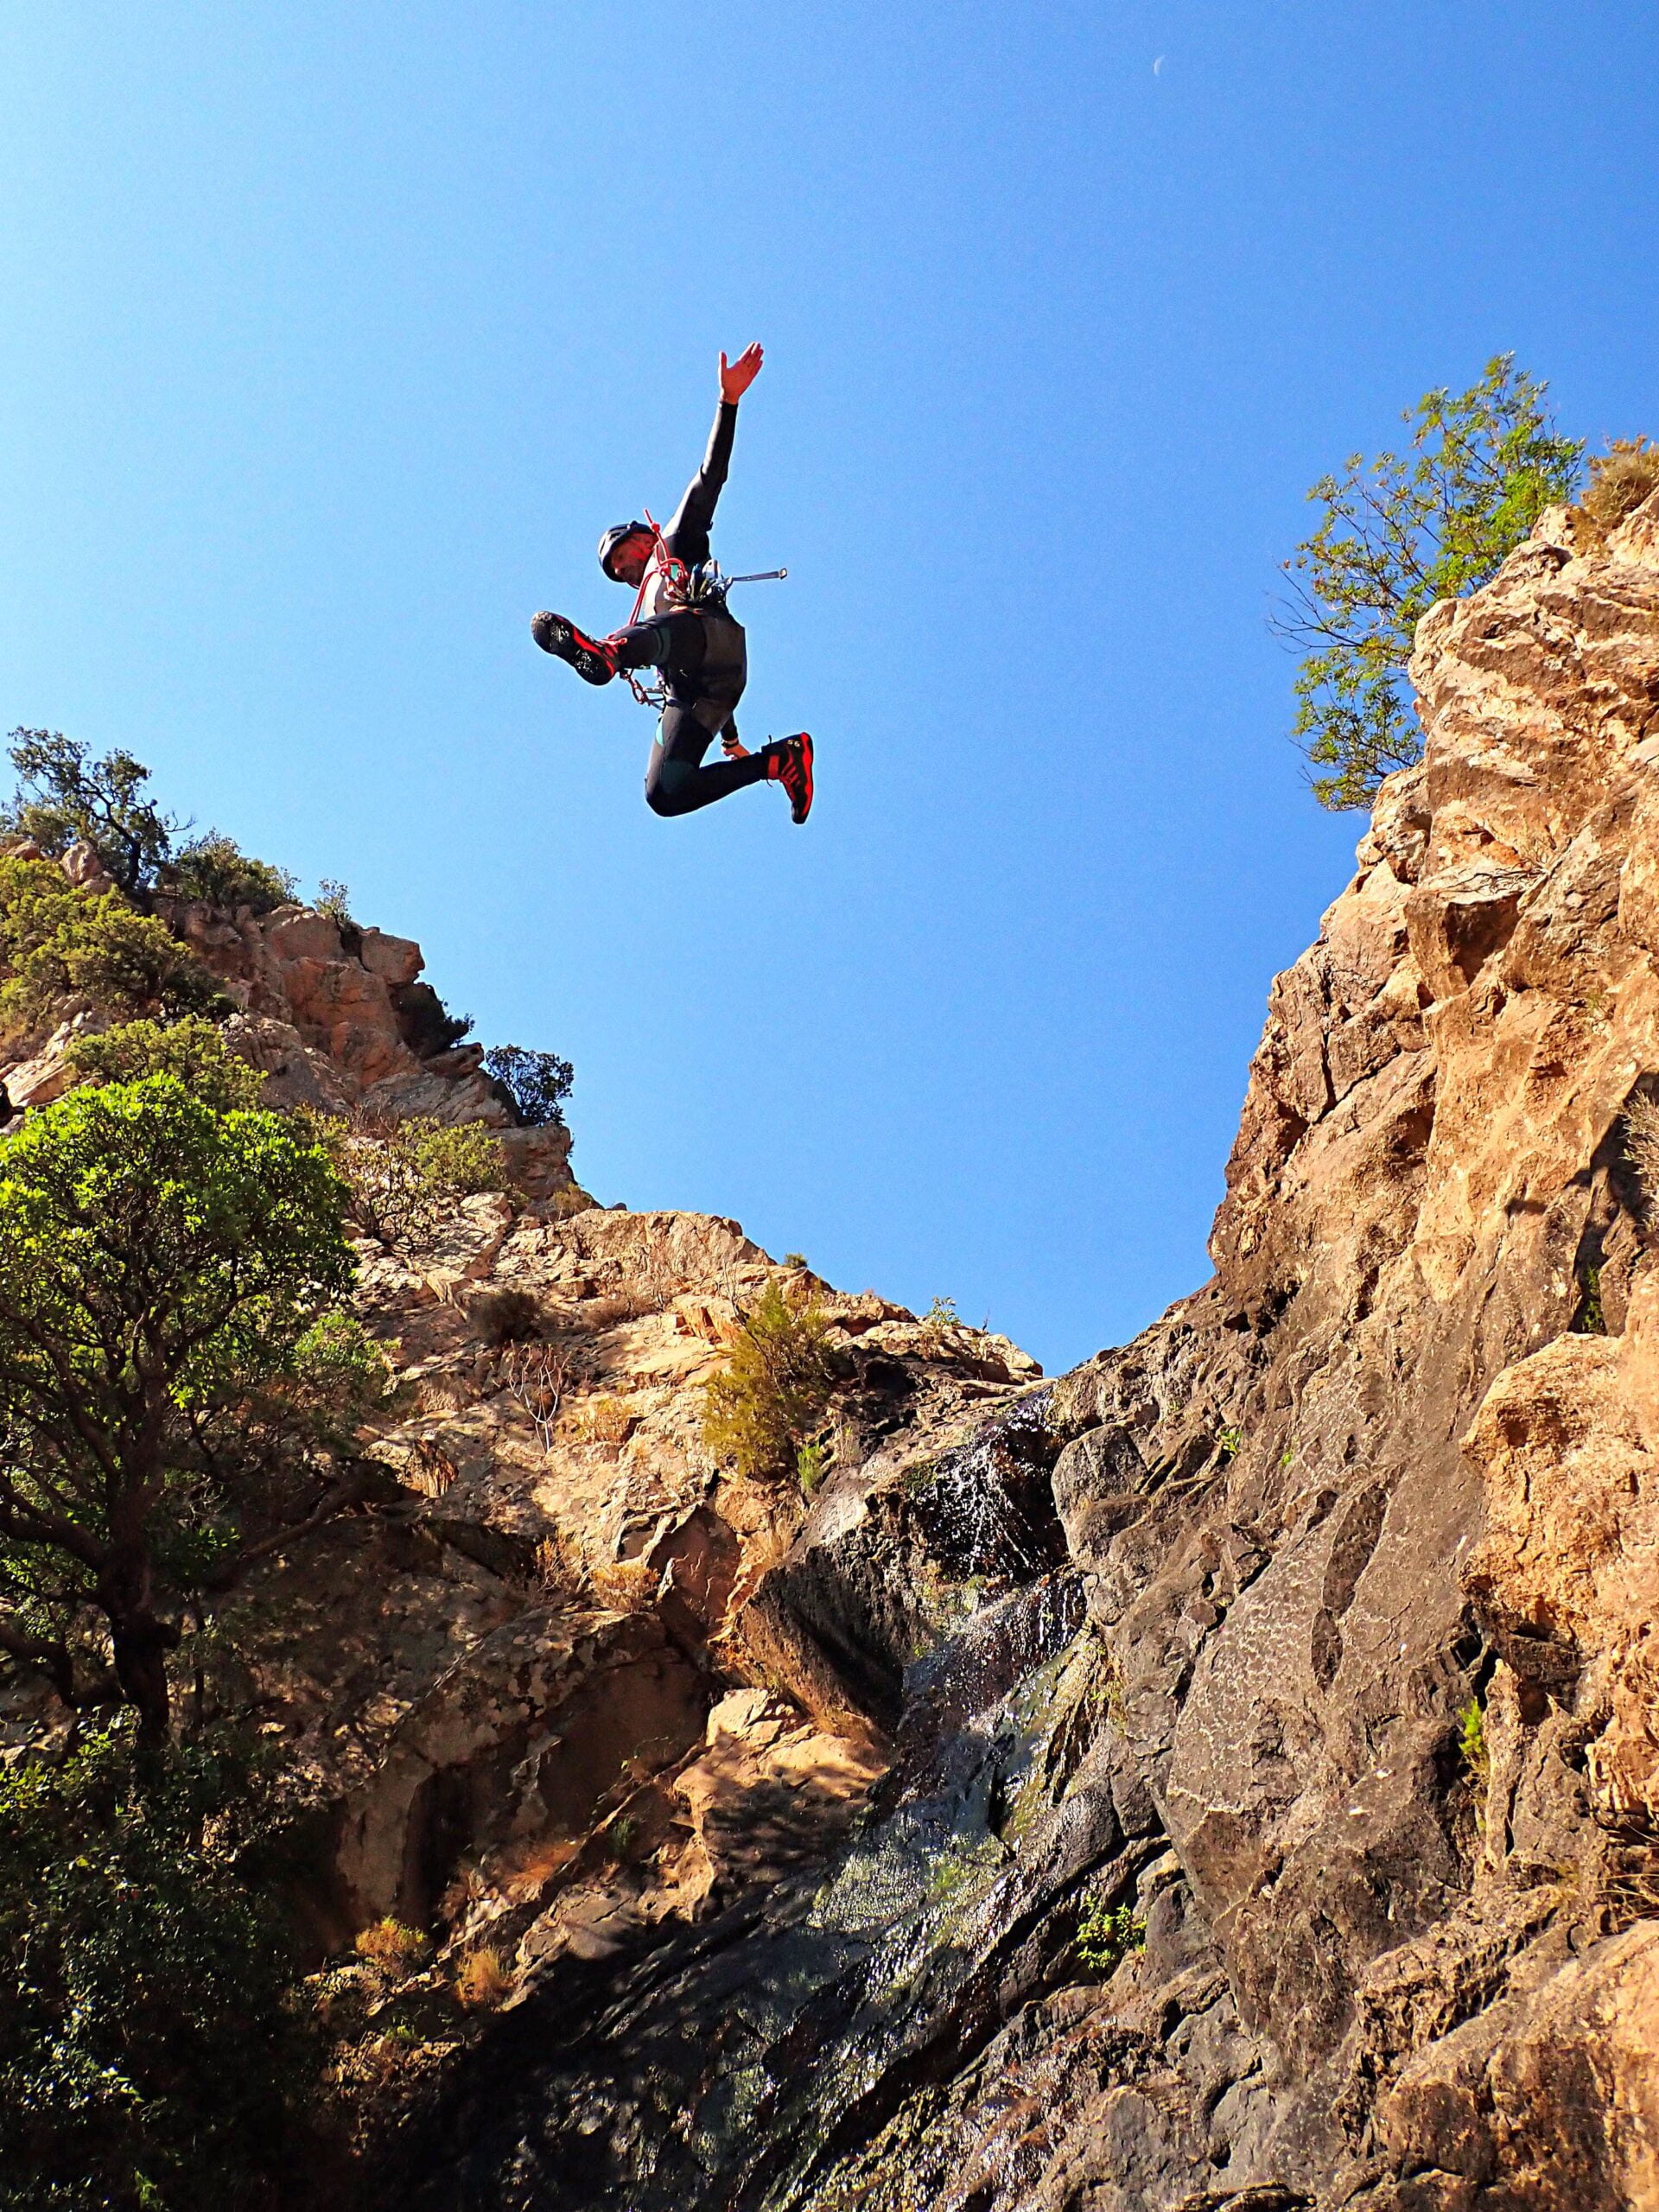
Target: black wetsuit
(701, 652)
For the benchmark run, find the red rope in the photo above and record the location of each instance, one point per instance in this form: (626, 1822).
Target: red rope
(661, 563)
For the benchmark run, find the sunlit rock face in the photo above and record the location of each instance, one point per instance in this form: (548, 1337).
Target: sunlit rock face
(1269, 1800)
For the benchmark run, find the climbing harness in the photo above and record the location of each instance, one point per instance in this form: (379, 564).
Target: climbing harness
(683, 587)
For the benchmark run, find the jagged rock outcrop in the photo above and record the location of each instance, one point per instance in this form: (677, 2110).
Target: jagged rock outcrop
(1330, 1722)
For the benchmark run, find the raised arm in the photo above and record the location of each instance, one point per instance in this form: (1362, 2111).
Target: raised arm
(687, 535)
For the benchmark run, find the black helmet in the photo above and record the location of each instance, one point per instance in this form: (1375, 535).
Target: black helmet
(618, 534)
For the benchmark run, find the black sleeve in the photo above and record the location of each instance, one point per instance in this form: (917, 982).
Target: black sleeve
(687, 536)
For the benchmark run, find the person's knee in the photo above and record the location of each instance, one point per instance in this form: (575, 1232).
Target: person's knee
(667, 793)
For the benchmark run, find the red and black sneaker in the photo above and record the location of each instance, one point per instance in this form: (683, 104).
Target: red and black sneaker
(791, 766)
(590, 657)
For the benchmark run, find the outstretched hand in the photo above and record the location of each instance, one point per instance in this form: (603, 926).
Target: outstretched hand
(737, 376)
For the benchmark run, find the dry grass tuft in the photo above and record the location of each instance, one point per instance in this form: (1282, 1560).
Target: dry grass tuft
(1642, 1148)
(394, 1951)
(509, 1315)
(625, 1586)
(605, 1420)
(482, 1980)
(1621, 479)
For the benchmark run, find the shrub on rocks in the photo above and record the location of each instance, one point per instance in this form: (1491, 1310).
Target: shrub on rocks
(538, 1083)
(194, 1050)
(1621, 479)
(63, 798)
(214, 868)
(60, 944)
(763, 1407)
(405, 1175)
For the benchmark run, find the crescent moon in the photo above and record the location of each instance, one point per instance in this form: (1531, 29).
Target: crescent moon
(1158, 67)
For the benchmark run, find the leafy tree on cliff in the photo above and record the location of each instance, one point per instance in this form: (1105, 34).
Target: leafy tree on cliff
(1399, 533)
(178, 1387)
(64, 795)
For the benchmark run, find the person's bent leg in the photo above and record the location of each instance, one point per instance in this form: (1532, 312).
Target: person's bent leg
(672, 641)
(678, 783)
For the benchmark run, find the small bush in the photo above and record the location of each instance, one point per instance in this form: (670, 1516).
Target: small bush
(458, 1161)
(602, 1420)
(1471, 1741)
(214, 869)
(1107, 1934)
(482, 1980)
(1621, 479)
(508, 1316)
(334, 899)
(429, 1027)
(810, 1462)
(761, 1408)
(538, 1083)
(392, 1950)
(194, 1050)
(404, 1176)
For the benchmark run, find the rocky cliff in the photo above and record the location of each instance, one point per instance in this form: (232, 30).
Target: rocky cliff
(1225, 1776)
(1258, 1723)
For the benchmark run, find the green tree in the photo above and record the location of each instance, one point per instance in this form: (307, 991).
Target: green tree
(176, 1389)
(63, 795)
(1398, 534)
(151, 2053)
(59, 943)
(538, 1083)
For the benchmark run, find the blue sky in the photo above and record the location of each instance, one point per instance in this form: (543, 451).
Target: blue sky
(334, 336)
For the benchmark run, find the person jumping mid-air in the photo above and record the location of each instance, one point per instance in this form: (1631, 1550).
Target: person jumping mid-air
(688, 633)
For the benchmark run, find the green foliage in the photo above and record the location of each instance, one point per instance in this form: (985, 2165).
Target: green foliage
(214, 868)
(810, 1463)
(405, 1176)
(1621, 479)
(459, 1160)
(1590, 1320)
(538, 1083)
(62, 796)
(760, 1409)
(1471, 1740)
(150, 2051)
(333, 898)
(429, 1027)
(1398, 534)
(1108, 1934)
(1229, 1443)
(174, 1383)
(60, 944)
(193, 1049)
